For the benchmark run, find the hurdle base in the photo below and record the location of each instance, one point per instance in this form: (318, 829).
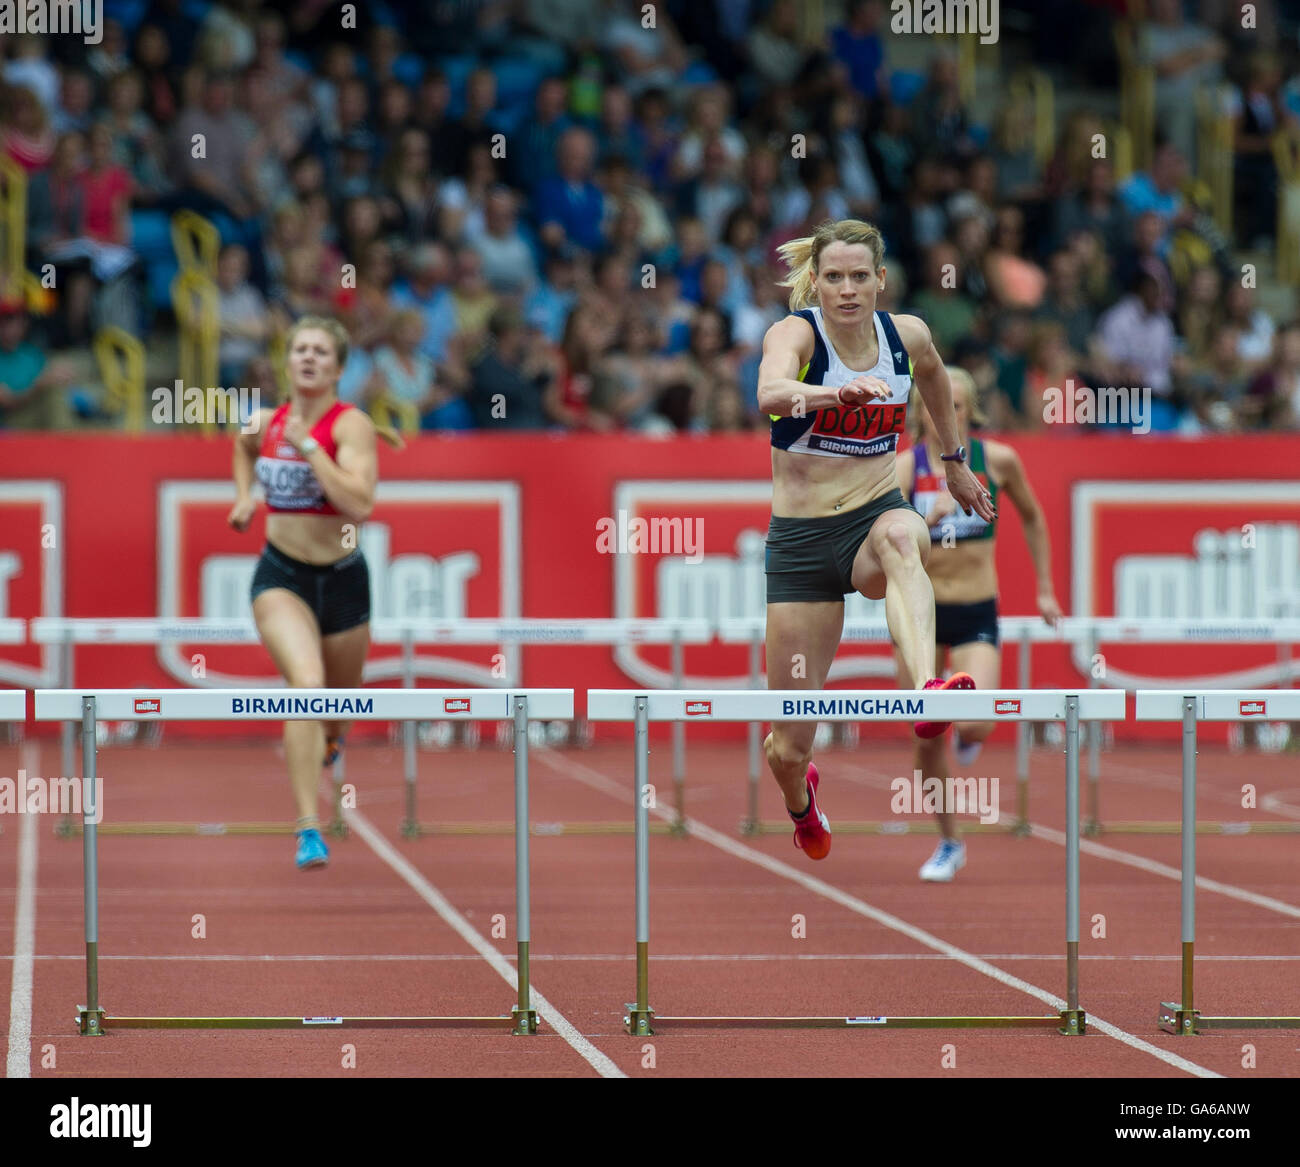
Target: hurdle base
(1177, 1020)
(106, 1023)
(1074, 1023)
(1021, 829)
(750, 827)
(536, 829)
(890, 827)
(1092, 828)
(1173, 827)
(525, 1022)
(90, 1022)
(638, 1021)
(337, 829)
(1053, 1022)
(409, 829)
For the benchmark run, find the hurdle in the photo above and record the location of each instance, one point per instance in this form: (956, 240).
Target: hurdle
(67, 632)
(641, 708)
(534, 631)
(1091, 633)
(1189, 709)
(516, 706)
(13, 710)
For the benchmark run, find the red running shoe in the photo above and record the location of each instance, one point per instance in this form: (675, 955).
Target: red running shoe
(812, 829)
(928, 729)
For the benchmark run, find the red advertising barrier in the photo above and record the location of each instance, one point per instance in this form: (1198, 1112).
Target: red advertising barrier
(547, 526)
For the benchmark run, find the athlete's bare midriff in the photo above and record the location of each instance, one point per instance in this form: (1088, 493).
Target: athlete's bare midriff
(314, 539)
(964, 573)
(805, 486)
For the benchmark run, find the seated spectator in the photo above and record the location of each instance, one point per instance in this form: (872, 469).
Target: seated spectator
(624, 195)
(707, 124)
(111, 56)
(1065, 303)
(137, 145)
(25, 132)
(726, 412)
(978, 193)
(1144, 252)
(303, 292)
(1052, 366)
(645, 57)
(1010, 356)
(462, 200)
(245, 322)
(31, 68)
(76, 96)
(568, 396)
(476, 125)
(947, 311)
(533, 146)
(506, 384)
(857, 43)
(660, 134)
(940, 115)
(1214, 386)
(508, 264)
(78, 219)
(403, 373)
(892, 152)
(631, 377)
(367, 313)
(355, 175)
(1198, 313)
(410, 189)
(775, 53)
(426, 288)
(713, 193)
(618, 133)
(471, 299)
(570, 206)
(1014, 281)
(154, 49)
(220, 176)
(547, 309)
(1255, 345)
(1134, 349)
(1014, 155)
(1277, 388)
(29, 385)
(1095, 208)
(338, 64)
(846, 138)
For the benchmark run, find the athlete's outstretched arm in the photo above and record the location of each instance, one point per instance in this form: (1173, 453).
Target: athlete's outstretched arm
(932, 383)
(1011, 474)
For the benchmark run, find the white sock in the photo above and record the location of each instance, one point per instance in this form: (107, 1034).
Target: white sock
(966, 752)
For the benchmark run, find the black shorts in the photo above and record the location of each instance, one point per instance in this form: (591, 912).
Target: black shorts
(811, 560)
(337, 593)
(956, 624)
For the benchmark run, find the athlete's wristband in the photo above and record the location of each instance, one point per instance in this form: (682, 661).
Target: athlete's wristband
(309, 446)
(839, 395)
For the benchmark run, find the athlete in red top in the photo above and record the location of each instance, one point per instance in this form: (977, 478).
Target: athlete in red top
(315, 459)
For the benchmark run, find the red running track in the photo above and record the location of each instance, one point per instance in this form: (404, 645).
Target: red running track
(362, 937)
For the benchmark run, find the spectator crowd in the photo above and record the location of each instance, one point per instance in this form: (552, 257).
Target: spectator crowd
(548, 214)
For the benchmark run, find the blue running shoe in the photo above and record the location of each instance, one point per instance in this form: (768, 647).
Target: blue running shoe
(312, 851)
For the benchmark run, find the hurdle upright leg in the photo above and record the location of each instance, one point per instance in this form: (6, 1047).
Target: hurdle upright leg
(679, 743)
(1093, 825)
(639, 1014)
(90, 1017)
(750, 825)
(524, 1014)
(1023, 731)
(410, 824)
(1073, 1019)
(67, 733)
(1182, 1018)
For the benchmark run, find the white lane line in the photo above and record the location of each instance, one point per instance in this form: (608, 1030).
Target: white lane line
(599, 781)
(1088, 847)
(18, 1061)
(467, 932)
(667, 957)
(1152, 866)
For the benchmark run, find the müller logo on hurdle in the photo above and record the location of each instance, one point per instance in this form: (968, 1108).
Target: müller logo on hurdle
(148, 705)
(1254, 708)
(699, 708)
(1008, 706)
(456, 705)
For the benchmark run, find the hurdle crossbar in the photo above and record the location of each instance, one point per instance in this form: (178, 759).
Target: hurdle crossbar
(516, 705)
(13, 704)
(1190, 708)
(641, 707)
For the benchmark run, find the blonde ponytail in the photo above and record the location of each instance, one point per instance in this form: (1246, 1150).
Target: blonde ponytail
(801, 256)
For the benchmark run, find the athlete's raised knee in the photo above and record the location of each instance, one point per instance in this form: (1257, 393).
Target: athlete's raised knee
(785, 753)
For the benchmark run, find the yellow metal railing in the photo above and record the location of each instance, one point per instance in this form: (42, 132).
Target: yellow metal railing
(388, 411)
(1137, 96)
(13, 220)
(198, 317)
(1121, 151)
(1035, 88)
(122, 369)
(1286, 155)
(197, 243)
(1214, 154)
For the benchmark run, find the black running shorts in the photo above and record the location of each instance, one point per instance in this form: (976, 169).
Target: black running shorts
(337, 593)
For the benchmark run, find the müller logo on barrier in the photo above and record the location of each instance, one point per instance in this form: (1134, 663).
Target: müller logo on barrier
(148, 705)
(455, 704)
(699, 708)
(1007, 706)
(1254, 708)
